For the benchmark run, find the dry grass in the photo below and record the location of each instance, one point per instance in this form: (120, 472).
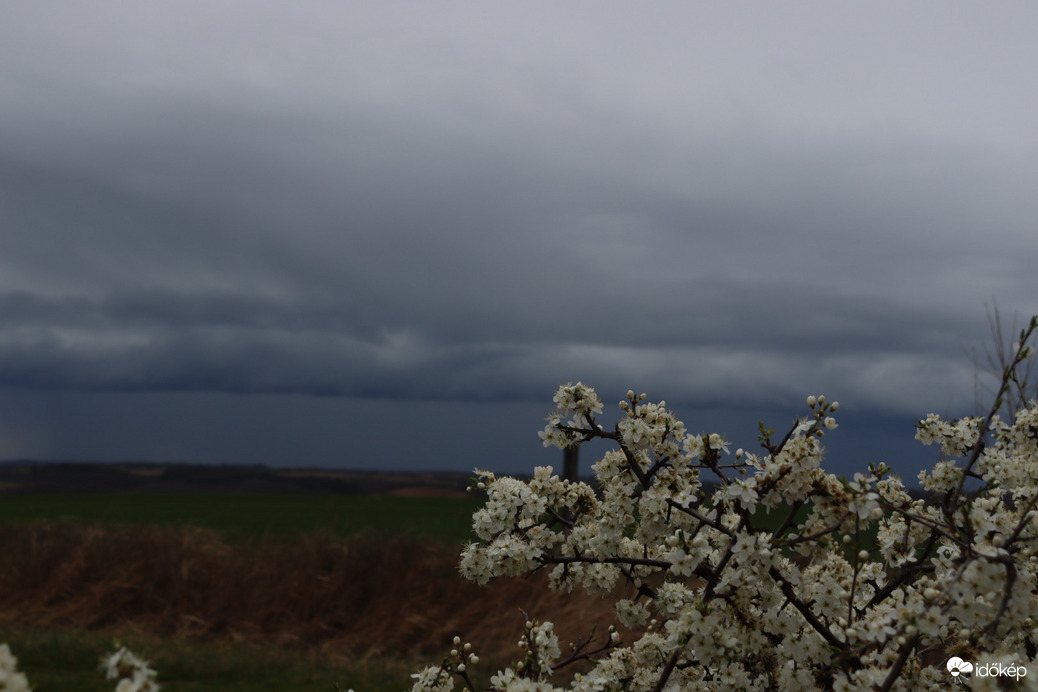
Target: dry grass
(357, 597)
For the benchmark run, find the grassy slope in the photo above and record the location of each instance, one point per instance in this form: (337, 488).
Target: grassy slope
(63, 657)
(209, 589)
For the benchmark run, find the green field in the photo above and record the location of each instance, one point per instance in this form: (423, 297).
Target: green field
(443, 518)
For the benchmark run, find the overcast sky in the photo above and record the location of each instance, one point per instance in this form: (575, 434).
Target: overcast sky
(380, 234)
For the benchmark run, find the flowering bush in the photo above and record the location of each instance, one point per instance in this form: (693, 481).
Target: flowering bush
(856, 585)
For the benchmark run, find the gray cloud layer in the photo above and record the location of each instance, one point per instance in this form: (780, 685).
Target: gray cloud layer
(731, 206)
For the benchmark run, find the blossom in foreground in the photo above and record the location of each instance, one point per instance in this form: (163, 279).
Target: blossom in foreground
(133, 673)
(10, 679)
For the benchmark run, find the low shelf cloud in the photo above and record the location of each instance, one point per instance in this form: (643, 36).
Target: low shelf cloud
(301, 235)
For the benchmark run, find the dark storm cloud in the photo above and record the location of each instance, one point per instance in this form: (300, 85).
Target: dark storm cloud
(722, 207)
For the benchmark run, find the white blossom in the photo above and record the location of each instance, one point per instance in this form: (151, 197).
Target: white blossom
(10, 679)
(132, 672)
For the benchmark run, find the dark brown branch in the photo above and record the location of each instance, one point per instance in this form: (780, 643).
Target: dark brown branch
(902, 658)
(667, 670)
(701, 517)
(812, 619)
(636, 561)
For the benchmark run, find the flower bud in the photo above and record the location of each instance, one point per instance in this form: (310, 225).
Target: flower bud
(811, 401)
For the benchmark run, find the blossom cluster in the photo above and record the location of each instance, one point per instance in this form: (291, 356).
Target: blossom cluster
(133, 673)
(10, 679)
(761, 571)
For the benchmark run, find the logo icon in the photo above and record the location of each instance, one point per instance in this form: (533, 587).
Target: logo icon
(956, 666)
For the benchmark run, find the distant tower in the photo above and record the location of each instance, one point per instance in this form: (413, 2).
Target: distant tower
(571, 462)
